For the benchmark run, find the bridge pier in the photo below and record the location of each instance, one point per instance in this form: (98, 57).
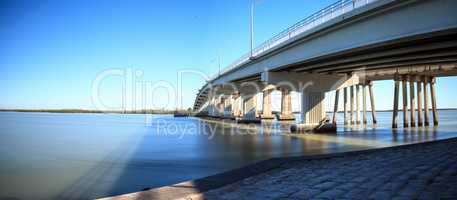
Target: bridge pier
(424, 83)
(236, 105)
(245, 111)
(357, 104)
(313, 114)
(396, 98)
(335, 108)
(364, 96)
(405, 101)
(412, 101)
(352, 105)
(346, 119)
(373, 107)
(419, 103)
(426, 110)
(219, 107)
(286, 105)
(227, 108)
(266, 107)
(242, 106)
(210, 106)
(432, 93)
(213, 107)
(313, 108)
(250, 107)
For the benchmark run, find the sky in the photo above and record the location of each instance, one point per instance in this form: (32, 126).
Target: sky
(77, 54)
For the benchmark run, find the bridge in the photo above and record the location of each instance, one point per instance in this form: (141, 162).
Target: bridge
(344, 48)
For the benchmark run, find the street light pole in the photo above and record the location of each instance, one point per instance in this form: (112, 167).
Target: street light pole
(251, 28)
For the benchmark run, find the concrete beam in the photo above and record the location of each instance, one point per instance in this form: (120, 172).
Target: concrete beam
(379, 54)
(309, 82)
(380, 61)
(402, 64)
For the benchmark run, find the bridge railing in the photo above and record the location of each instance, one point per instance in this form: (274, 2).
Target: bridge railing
(336, 9)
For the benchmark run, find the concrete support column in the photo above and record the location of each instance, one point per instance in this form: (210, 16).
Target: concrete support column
(419, 103)
(426, 110)
(313, 108)
(266, 108)
(313, 114)
(234, 105)
(352, 105)
(228, 106)
(412, 101)
(243, 106)
(221, 106)
(405, 101)
(432, 93)
(286, 105)
(335, 108)
(250, 107)
(212, 107)
(395, 108)
(357, 104)
(364, 100)
(241, 103)
(373, 107)
(346, 119)
(256, 105)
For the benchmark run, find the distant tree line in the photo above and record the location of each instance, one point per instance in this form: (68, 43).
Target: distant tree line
(143, 111)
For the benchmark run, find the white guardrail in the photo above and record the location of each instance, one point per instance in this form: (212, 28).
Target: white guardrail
(336, 9)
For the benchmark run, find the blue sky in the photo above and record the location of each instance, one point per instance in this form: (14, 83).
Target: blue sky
(51, 51)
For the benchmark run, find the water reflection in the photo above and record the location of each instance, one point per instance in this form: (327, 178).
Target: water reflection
(81, 156)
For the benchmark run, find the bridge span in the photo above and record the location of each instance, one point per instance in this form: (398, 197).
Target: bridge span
(344, 47)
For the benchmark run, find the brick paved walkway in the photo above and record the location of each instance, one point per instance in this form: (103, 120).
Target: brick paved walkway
(420, 172)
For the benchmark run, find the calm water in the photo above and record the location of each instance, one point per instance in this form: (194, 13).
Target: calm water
(82, 156)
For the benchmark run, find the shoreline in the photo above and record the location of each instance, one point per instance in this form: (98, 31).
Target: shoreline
(194, 189)
(165, 112)
(82, 111)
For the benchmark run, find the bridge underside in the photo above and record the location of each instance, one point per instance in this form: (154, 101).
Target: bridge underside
(438, 48)
(418, 52)
(378, 61)
(428, 55)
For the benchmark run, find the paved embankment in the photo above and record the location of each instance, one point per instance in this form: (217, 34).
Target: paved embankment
(427, 171)
(418, 171)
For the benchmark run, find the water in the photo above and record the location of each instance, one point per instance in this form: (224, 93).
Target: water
(82, 156)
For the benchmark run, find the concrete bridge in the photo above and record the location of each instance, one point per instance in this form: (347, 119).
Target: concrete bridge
(344, 47)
